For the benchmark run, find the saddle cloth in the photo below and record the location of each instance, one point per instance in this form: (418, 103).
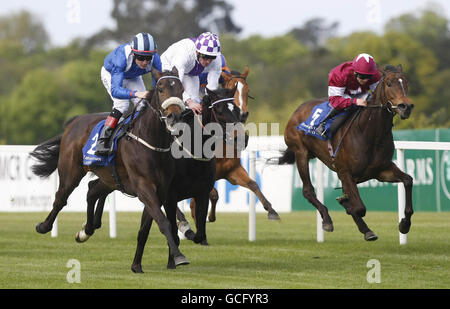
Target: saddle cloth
(318, 113)
(89, 157)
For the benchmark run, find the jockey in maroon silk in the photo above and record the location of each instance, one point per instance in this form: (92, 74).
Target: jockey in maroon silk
(349, 84)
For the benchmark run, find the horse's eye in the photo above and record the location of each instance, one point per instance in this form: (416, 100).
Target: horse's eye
(160, 89)
(389, 84)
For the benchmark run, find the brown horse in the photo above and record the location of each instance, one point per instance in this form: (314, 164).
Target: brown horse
(366, 150)
(231, 168)
(143, 171)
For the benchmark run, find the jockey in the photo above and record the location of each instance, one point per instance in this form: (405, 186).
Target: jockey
(349, 84)
(204, 76)
(191, 57)
(121, 75)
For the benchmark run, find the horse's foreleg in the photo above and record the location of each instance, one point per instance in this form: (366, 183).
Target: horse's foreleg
(301, 160)
(362, 226)
(394, 174)
(201, 211)
(144, 230)
(354, 205)
(171, 209)
(240, 177)
(153, 207)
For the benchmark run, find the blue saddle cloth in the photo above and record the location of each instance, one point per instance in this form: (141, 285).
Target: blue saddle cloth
(89, 157)
(318, 113)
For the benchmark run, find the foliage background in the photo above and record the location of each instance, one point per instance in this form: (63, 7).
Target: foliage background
(41, 86)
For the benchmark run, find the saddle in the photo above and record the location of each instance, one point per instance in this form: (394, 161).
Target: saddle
(318, 113)
(89, 157)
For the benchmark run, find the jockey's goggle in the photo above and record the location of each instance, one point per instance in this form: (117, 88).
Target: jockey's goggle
(207, 56)
(144, 58)
(364, 76)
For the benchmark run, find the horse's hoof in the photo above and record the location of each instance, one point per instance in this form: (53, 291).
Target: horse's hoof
(212, 219)
(204, 243)
(81, 236)
(137, 269)
(404, 226)
(189, 234)
(181, 260)
(273, 215)
(328, 227)
(370, 236)
(40, 228)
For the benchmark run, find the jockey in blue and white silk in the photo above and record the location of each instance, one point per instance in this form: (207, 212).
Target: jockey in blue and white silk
(185, 56)
(121, 75)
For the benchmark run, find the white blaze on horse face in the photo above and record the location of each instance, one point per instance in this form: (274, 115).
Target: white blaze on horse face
(231, 106)
(240, 86)
(403, 89)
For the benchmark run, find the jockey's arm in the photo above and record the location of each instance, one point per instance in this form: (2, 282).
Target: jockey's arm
(117, 91)
(156, 63)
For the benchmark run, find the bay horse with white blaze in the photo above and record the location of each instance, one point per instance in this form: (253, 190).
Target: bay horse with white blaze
(366, 150)
(143, 172)
(231, 168)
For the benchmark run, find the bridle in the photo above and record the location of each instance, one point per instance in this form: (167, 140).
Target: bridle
(159, 113)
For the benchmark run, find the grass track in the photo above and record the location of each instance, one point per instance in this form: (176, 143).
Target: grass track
(285, 254)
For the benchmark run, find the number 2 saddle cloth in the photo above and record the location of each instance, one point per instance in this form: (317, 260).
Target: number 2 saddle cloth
(89, 157)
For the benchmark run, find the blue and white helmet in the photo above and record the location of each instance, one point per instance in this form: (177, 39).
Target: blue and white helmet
(208, 43)
(143, 44)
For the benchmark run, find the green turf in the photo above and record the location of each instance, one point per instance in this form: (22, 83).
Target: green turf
(284, 255)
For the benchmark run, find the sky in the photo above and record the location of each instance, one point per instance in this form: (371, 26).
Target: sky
(67, 19)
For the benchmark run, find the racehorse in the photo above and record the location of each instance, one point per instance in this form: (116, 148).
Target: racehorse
(140, 171)
(365, 152)
(195, 175)
(230, 168)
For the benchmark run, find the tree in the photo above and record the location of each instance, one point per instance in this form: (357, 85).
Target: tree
(167, 20)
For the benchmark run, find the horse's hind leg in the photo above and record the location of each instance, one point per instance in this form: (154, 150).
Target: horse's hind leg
(97, 192)
(301, 159)
(213, 197)
(67, 183)
(394, 174)
(183, 225)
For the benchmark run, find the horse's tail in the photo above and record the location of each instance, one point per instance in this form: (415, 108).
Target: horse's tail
(288, 157)
(46, 155)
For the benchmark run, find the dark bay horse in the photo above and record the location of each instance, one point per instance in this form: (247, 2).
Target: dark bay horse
(231, 168)
(143, 172)
(366, 150)
(194, 176)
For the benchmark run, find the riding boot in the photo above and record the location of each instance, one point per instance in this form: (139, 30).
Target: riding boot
(321, 127)
(103, 144)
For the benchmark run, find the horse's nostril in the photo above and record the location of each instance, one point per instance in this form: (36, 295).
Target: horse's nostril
(402, 106)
